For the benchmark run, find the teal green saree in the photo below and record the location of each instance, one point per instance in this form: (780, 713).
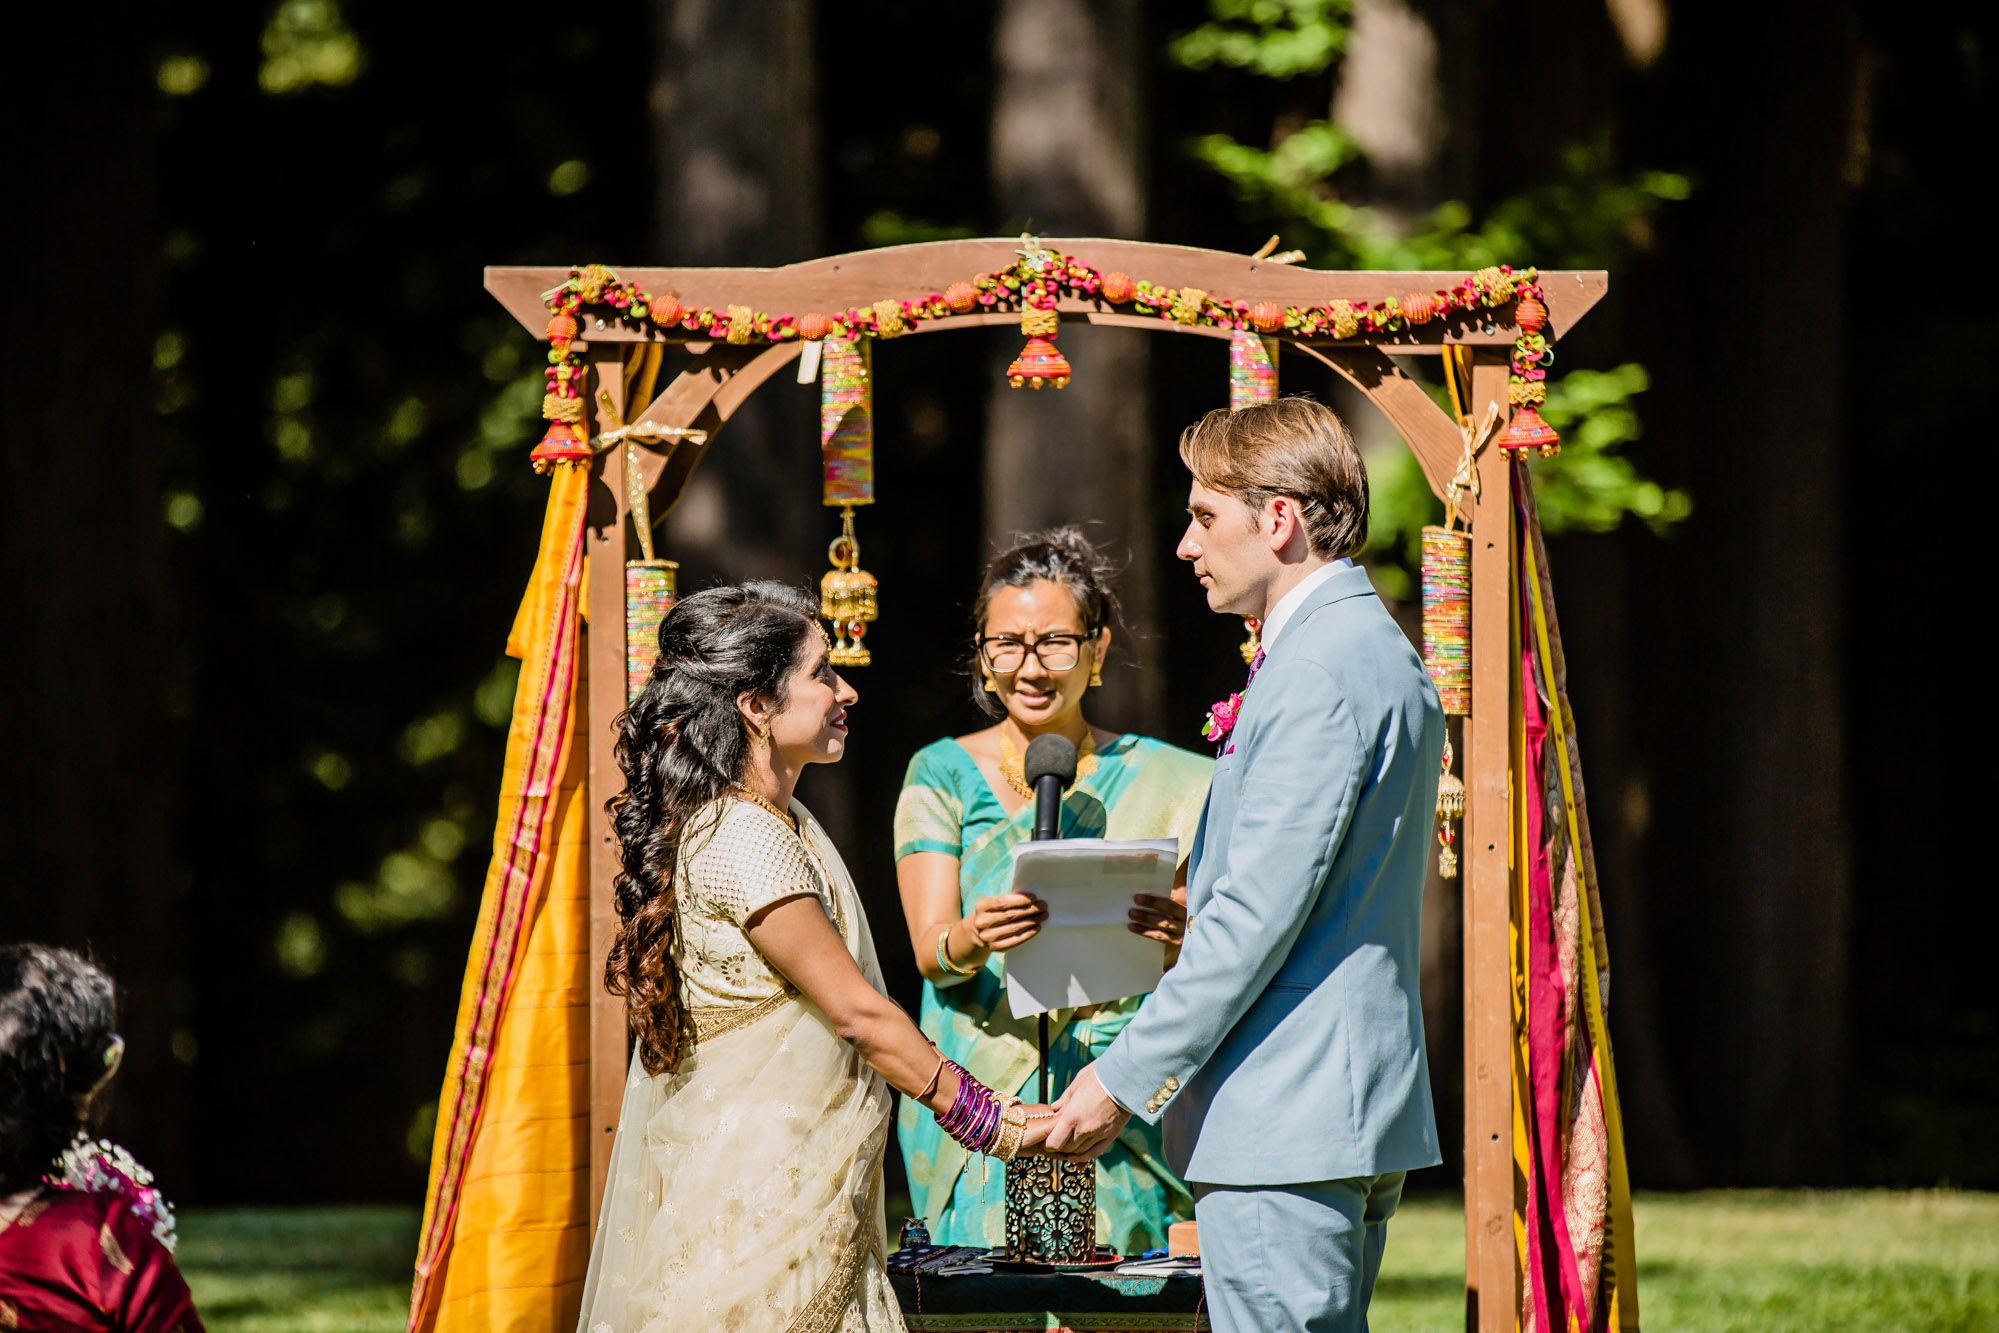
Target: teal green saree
(1142, 788)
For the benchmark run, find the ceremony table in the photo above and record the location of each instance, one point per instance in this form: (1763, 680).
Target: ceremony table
(1050, 1303)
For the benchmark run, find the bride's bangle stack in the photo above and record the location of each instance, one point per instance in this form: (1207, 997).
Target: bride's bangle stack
(982, 1120)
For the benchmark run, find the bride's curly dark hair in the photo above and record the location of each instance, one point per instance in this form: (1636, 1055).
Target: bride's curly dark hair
(681, 744)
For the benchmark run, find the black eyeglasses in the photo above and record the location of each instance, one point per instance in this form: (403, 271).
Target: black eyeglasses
(1056, 652)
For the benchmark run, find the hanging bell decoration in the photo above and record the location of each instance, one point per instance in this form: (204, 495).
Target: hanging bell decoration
(1450, 809)
(1252, 370)
(1527, 385)
(1527, 431)
(848, 594)
(1252, 645)
(1037, 365)
(848, 597)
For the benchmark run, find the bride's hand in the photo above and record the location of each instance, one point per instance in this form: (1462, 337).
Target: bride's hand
(1039, 1120)
(1008, 920)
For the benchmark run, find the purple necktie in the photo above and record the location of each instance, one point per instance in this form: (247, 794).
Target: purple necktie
(1255, 665)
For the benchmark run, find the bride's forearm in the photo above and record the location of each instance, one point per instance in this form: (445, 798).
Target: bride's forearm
(898, 1051)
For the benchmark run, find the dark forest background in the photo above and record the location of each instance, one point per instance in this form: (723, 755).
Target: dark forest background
(267, 507)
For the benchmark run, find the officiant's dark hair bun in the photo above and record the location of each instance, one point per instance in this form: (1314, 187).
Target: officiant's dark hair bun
(57, 1012)
(1059, 555)
(681, 744)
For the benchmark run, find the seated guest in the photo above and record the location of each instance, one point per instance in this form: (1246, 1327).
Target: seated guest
(1041, 625)
(85, 1242)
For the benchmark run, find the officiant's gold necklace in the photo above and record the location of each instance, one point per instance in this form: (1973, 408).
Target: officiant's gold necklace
(1016, 775)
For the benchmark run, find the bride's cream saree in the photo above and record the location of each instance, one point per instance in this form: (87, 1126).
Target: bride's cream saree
(745, 1187)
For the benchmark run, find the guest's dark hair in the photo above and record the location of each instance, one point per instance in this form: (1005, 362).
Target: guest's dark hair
(1062, 556)
(57, 1015)
(681, 744)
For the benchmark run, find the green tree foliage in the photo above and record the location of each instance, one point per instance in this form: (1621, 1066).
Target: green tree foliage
(1587, 215)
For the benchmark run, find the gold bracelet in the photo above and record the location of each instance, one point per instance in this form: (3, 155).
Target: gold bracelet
(935, 1074)
(1012, 1128)
(944, 956)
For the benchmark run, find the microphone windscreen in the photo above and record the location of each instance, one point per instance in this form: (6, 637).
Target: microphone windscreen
(1049, 756)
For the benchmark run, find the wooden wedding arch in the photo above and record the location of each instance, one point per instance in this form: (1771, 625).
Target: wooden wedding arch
(716, 378)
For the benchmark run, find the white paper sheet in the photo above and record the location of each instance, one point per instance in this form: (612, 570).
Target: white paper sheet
(1084, 954)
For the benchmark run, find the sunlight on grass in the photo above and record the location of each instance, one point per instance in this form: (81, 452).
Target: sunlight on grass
(1770, 1261)
(1730, 1262)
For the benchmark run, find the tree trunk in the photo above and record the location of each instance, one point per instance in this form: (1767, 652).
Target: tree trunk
(1065, 159)
(1767, 561)
(736, 149)
(86, 777)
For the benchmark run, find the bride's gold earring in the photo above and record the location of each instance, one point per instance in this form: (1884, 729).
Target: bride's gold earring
(990, 687)
(1096, 670)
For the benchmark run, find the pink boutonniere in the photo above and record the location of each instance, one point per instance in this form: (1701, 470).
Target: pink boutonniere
(1221, 718)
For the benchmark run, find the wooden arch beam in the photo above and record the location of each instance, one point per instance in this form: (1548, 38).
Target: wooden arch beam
(707, 393)
(843, 282)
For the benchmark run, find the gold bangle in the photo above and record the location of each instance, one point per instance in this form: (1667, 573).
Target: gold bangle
(935, 1074)
(1012, 1128)
(944, 956)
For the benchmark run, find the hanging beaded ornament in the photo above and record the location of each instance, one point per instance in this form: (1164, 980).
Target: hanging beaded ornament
(848, 594)
(1529, 387)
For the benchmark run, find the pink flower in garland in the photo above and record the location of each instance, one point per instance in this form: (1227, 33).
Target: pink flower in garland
(1221, 718)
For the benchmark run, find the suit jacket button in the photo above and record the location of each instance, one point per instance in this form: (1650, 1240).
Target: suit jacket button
(1172, 1085)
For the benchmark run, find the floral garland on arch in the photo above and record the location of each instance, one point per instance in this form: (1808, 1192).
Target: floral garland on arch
(1032, 285)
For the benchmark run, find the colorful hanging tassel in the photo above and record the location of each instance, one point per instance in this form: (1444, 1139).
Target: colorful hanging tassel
(1252, 370)
(848, 595)
(1447, 657)
(649, 594)
(847, 422)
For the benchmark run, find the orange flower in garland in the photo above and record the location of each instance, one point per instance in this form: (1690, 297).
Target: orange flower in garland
(1034, 284)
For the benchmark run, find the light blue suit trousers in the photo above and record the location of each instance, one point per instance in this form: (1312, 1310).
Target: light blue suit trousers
(1284, 1050)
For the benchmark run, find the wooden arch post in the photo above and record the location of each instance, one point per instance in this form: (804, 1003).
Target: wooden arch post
(717, 378)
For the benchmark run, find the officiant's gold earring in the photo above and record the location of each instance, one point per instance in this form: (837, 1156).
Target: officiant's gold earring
(1096, 670)
(990, 687)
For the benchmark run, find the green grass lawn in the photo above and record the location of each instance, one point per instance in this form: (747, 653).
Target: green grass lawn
(1726, 1261)
(1770, 1261)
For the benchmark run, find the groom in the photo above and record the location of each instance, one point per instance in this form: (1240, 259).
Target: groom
(1285, 1048)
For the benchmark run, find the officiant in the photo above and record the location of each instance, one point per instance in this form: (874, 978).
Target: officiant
(1042, 624)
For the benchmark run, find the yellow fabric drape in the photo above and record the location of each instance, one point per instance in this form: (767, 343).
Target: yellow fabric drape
(505, 1231)
(521, 1242)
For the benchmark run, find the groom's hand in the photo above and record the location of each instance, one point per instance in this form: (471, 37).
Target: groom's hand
(1087, 1121)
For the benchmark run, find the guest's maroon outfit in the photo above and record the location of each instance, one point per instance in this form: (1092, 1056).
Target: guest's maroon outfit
(81, 1261)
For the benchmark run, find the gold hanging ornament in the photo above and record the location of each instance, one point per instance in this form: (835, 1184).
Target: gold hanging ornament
(1253, 645)
(1450, 809)
(847, 594)
(848, 597)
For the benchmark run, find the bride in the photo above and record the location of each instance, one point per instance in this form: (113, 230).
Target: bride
(745, 1182)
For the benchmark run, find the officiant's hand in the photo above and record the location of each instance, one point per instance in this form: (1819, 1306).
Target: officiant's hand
(1158, 918)
(1086, 1120)
(1007, 920)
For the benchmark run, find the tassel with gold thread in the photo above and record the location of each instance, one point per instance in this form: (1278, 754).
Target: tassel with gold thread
(848, 595)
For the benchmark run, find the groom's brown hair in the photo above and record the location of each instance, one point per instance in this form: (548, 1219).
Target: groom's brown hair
(1293, 447)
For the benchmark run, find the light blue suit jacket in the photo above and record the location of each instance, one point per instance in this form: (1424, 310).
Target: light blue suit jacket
(1286, 1045)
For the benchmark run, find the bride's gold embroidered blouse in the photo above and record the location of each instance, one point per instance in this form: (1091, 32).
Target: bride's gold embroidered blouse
(737, 859)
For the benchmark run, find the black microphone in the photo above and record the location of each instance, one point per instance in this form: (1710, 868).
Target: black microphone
(1049, 767)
